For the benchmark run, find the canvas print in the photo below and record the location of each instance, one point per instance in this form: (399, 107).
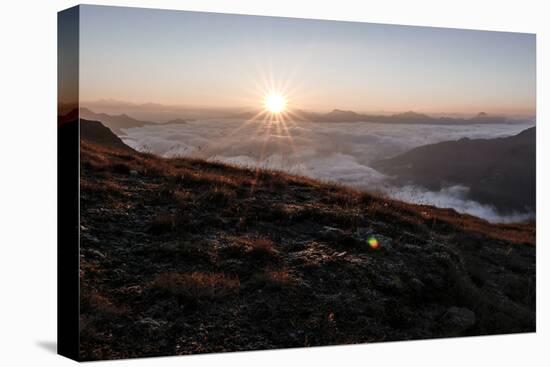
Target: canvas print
(247, 182)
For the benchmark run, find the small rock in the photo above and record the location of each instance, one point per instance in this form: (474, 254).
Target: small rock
(119, 273)
(135, 289)
(458, 319)
(417, 285)
(95, 253)
(150, 323)
(133, 172)
(331, 233)
(91, 238)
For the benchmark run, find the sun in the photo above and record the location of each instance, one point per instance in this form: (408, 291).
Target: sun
(275, 103)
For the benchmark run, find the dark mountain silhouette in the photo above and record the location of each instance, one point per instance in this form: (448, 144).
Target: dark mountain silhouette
(97, 133)
(118, 122)
(114, 122)
(500, 172)
(338, 115)
(92, 132)
(188, 256)
(175, 122)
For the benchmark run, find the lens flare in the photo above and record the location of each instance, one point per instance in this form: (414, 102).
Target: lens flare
(373, 242)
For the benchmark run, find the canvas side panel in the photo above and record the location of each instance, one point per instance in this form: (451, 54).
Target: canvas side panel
(68, 145)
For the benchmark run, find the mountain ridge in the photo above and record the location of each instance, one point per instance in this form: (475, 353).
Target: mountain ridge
(122, 121)
(408, 117)
(498, 171)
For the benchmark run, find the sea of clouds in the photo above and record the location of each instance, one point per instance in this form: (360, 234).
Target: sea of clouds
(340, 152)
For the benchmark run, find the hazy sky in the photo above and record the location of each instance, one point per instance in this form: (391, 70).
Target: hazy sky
(207, 59)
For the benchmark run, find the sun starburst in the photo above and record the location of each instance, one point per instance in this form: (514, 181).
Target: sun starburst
(275, 103)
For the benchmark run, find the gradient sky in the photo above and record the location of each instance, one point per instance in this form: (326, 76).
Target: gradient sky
(208, 59)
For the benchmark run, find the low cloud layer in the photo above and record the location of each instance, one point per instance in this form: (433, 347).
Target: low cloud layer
(339, 152)
(455, 197)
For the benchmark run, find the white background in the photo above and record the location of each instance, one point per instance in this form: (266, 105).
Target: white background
(28, 182)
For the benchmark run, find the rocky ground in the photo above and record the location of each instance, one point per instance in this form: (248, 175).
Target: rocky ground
(183, 256)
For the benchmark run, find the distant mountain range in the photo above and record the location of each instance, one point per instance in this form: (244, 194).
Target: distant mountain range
(499, 171)
(160, 112)
(118, 122)
(409, 117)
(147, 113)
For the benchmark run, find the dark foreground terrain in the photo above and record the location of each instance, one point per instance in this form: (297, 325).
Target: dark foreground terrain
(183, 256)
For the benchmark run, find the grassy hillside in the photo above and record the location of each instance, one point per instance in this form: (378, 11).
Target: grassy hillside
(184, 256)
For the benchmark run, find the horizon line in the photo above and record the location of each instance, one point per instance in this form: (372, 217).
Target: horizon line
(244, 108)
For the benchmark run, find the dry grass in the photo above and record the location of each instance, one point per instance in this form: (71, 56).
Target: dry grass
(255, 247)
(334, 203)
(162, 223)
(106, 186)
(272, 279)
(280, 276)
(196, 285)
(96, 303)
(120, 167)
(262, 246)
(219, 196)
(182, 198)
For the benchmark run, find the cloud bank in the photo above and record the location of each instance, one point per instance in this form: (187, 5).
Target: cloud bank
(340, 152)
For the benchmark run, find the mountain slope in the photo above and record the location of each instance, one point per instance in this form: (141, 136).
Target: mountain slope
(114, 122)
(96, 133)
(184, 256)
(500, 172)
